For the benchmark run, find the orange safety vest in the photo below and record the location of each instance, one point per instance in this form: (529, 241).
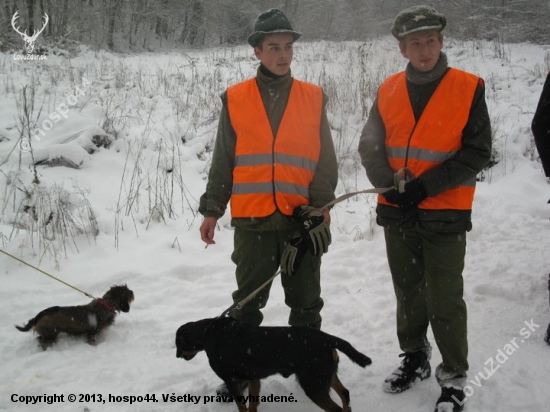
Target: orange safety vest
(273, 172)
(435, 138)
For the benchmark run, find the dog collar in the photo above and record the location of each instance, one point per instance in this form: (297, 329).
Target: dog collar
(105, 304)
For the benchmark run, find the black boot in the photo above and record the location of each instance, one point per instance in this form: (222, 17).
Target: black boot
(451, 400)
(414, 365)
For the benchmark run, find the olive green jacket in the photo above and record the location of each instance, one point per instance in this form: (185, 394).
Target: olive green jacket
(274, 92)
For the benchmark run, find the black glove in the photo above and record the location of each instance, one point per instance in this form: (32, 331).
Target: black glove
(392, 196)
(293, 254)
(414, 194)
(314, 228)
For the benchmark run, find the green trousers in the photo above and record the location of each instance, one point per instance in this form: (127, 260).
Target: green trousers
(257, 255)
(426, 269)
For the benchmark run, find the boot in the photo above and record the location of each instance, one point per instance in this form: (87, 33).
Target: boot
(451, 400)
(414, 365)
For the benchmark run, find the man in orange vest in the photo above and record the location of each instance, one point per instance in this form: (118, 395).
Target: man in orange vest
(274, 162)
(429, 134)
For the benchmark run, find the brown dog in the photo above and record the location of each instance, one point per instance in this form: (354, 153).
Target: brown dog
(86, 320)
(238, 352)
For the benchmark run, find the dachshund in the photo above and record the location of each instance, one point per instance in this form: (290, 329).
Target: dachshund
(87, 320)
(240, 352)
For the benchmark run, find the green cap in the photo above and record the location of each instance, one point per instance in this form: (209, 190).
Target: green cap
(271, 22)
(417, 18)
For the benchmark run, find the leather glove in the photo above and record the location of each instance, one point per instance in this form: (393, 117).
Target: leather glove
(314, 228)
(414, 194)
(293, 254)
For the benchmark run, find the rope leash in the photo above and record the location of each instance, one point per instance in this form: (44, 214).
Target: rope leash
(47, 274)
(351, 194)
(239, 305)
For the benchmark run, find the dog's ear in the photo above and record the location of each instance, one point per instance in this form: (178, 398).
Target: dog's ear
(190, 337)
(181, 344)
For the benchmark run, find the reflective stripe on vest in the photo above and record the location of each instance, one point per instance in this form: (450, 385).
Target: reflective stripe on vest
(273, 173)
(435, 138)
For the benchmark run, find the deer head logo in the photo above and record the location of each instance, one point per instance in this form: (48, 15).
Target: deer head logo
(29, 40)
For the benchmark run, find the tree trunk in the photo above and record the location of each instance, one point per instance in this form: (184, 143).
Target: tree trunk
(30, 12)
(195, 22)
(43, 9)
(113, 11)
(8, 13)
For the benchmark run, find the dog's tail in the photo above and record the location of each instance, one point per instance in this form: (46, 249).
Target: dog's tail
(32, 323)
(28, 326)
(345, 347)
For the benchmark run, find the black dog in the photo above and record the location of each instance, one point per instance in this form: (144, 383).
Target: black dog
(237, 352)
(86, 320)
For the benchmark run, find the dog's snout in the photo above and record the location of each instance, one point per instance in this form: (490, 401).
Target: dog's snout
(187, 355)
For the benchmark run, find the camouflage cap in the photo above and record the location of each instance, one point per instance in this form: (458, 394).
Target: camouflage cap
(417, 18)
(270, 22)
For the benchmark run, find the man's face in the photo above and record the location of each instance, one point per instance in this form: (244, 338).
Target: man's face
(422, 49)
(276, 52)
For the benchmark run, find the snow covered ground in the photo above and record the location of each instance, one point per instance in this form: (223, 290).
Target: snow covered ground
(160, 110)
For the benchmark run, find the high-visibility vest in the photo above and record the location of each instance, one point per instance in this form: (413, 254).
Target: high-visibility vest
(273, 172)
(435, 138)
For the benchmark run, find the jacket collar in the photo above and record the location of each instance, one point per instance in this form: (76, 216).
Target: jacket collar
(265, 77)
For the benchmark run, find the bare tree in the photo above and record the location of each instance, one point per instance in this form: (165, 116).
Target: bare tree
(113, 7)
(30, 14)
(193, 19)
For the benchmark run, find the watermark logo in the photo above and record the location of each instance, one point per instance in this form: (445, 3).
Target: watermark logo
(493, 364)
(29, 40)
(61, 111)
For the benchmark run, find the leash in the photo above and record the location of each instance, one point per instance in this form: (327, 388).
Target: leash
(400, 178)
(100, 300)
(53, 277)
(351, 194)
(240, 304)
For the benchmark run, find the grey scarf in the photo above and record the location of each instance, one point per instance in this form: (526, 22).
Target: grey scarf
(439, 70)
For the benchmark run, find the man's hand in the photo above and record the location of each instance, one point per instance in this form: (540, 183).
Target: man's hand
(410, 198)
(207, 229)
(293, 254)
(315, 228)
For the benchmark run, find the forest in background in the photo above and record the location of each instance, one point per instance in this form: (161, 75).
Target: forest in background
(149, 25)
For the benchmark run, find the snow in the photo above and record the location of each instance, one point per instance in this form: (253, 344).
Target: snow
(161, 111)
